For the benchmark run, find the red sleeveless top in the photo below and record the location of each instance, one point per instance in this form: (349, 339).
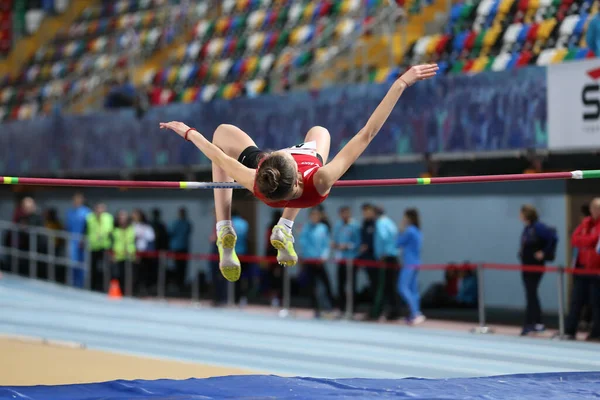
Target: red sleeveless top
(308, 165)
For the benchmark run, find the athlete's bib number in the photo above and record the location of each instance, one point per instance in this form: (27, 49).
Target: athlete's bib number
(309, 148)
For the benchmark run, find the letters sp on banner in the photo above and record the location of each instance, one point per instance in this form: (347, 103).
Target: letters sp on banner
(574, 105)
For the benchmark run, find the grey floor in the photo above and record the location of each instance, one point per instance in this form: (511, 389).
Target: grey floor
(331, 349)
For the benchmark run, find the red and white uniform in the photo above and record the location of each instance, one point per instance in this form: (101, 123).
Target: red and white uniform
(305, 155)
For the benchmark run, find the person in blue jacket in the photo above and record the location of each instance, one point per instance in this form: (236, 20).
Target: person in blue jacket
(410, 240)
(76, 224)
(537, 241)
(384, 248)
(346, 242)
(314, 243)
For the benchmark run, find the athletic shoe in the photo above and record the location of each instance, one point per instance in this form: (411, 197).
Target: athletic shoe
(418, 320)
(537, 328)
(229, 263)
(284, 243)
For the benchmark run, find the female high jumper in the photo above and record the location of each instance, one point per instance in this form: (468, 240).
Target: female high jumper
(294, 178)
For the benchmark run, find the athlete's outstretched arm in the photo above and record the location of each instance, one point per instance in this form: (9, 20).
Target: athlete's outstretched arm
(233, 168)
(332, 172)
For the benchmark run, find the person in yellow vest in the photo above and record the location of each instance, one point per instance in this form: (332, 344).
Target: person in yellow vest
(99, 227)
(123, 247)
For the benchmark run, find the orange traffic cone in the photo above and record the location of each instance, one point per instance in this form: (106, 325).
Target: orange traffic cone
(114, 291)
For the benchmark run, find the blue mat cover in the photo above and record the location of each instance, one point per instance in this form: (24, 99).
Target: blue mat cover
(530, 386)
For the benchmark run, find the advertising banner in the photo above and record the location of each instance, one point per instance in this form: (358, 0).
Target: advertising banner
(574, 105)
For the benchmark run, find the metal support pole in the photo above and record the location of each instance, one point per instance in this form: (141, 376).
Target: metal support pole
(52, 258)
(230, 293)
(349, 289)
(482, 328)
(286, 293)
(32, 255)
(561, 303)
(162, 272)
(128, 278)
(87, 267)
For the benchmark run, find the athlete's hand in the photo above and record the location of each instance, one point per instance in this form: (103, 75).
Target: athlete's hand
(178, 127)
(419, 73)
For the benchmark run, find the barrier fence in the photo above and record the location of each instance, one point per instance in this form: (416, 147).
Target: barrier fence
(14, 256)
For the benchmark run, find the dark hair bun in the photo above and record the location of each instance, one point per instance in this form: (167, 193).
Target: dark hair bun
(270, 180)
(276, 177)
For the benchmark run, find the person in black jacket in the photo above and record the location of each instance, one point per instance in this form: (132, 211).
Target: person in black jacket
(537, 241)
(366, 251)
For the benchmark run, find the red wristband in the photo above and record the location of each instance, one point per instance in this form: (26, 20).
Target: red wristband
(186, 134)
(407, 85)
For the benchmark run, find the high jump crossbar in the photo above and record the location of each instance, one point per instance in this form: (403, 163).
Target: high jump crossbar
(590, 174)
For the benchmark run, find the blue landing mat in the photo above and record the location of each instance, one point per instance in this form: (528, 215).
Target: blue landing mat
(562, 386)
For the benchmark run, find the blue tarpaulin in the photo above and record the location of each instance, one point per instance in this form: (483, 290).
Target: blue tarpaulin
(562, 386)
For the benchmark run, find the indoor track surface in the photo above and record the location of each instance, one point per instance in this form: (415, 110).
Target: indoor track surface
(270, 345)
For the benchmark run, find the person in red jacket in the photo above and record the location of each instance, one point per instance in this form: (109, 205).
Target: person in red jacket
(586, 287)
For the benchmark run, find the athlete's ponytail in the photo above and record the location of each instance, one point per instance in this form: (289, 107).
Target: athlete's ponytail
(276, 176)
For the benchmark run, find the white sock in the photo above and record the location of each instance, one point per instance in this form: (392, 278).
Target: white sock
(225, 222)
(286, 223)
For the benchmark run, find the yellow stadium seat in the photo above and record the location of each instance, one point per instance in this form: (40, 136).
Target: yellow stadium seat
(432, 44)
(479, 64)
(222, 25)
(295, 36)
(242, 5)
(173, 74)
(382, 74)
(505, 6)
(252, 65)
(308, 11)
(559, 56)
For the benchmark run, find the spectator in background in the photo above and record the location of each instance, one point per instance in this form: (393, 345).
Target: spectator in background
(161, 234)
(52, 223)
(346, 242)
(28, 218)
(411, 241)
(76, 221)
(586, 287)
(593, 35)
(275, 269)
(121, 93)
(123, 247)
(144, 242)
(314, 246)
(535, 163)
(365, 252)
(161, 243)
(180, 233)
(99, 227)
(467, 290)
(538, 242)
(324, 217)
(386, 251)
(586, 318)
(242, 286)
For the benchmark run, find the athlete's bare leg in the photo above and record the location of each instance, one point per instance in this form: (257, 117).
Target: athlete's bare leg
(232, 140)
